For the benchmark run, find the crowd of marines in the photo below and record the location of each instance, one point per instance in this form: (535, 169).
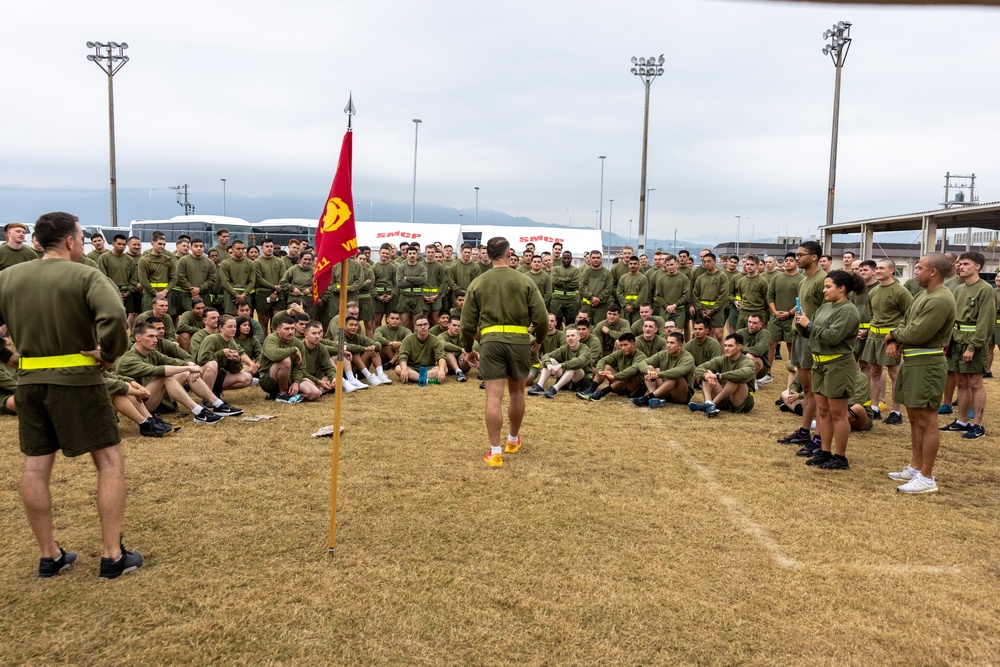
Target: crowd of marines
(205, 320)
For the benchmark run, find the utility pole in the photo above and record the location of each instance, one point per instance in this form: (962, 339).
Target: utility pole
(110, 63)
(647, 69)
(840, 44)
(182, 198)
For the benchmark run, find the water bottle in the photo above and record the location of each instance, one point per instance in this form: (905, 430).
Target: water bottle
(798, 306)
(423, 377)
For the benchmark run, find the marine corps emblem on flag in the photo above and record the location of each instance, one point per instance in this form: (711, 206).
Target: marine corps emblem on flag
(336, 236)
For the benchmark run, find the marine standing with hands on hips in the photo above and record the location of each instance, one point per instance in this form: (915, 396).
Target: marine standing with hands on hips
(501, 304)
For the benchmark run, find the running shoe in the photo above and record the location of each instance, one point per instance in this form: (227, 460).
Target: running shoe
(51, 567)
(373, 381)
(919, 484)
(904, 475)
(383, 378)
(819, 458)
(711, 411)
(537, 390)
(493, 460)
(226, 410)
(129, 561)
(657, 402)
(640, 401)
(945, 410)
(800, 437)
(975, 431)
(836, 463)
(696, 407)
(512, 447)
(551, 392)
(956, 427)
(894, 419)
(207, 417)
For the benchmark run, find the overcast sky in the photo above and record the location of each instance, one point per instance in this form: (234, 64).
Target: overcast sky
(518, 98)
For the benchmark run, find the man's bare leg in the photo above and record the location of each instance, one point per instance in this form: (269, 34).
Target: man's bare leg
(110, 464)
(37, 499)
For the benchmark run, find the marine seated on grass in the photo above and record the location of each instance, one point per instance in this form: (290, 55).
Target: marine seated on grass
(667, 375)
(620, 370)
(421, 349)
(727, 381)
(161, 375)
(454, 355)
(568, 363)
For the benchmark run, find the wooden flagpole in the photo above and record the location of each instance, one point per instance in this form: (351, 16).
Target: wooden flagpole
(337, 399)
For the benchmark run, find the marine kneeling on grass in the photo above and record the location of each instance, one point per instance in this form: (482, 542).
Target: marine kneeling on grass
(727, 381)
(620, 370)
(161, 375)
(421, 350)
(567, 364)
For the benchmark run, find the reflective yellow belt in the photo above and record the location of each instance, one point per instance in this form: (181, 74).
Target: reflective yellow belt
(505, 328)
(708, 303)
(631, 297)
(864, 325)
(383, 290)
(922, 351)
(158, 285)
(559, 292)
(737, 298)
(179, 289)
(410, 289)
(880, 330)
(823, 358)
(998, 321)
(58, 361)
(430, 290)
(965, 327)
(586, 300)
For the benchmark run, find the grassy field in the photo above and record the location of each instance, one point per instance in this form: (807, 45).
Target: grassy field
(618, 536)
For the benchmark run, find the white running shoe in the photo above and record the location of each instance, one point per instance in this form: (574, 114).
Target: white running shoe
(383, 378)
(919, 484)
(347, 387)
(765, 380)
(904, 475)
(374, 381)
(358, 384)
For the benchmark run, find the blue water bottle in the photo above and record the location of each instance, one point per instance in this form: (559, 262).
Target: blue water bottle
(798, 306)
(423, 377)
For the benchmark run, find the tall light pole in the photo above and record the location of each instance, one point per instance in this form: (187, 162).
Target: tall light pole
(416, 134)
(570, 217)
(477, 204)
(104, 56)
(738, 236)
(600, 199)
(611, 211)
(223, 196)
(647, 69)
(641, 233)
(840, 44)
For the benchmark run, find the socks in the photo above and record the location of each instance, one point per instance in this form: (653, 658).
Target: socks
(512, 439)
(379, 371)
(217, 403)
(197, 410)
(254, 382)
(350, 376)
(496, 450)
(592, 388)
(367, 373)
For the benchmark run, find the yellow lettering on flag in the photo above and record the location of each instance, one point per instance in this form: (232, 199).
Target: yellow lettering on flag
(337, 213)
(350, 245)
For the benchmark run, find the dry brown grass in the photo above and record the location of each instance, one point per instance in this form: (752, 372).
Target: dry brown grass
(618, 536)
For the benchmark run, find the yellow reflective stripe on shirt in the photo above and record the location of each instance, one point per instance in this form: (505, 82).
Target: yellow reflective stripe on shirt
(505, 328)
(922, 351)
(58, 361)
(881, 330)
(823, 358)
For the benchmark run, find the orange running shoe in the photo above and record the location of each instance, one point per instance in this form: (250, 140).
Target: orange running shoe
(493, 460)
(512, 447)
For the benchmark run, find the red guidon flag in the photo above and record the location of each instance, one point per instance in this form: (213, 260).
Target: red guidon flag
(336, 237)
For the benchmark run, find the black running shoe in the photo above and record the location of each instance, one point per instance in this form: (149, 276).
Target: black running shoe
(808, 450)
(537, 390)
(893, 419)
(836, 463)
(226, 410)
(129, 561)
(819, 458)
(207, 417)
(640, 401)
(150, 429)
(51, 567)
(800, 437)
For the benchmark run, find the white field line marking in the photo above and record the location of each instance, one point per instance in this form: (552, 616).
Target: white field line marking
(742, 519)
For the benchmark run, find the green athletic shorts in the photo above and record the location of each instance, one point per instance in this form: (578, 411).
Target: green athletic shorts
(268, 384)
(366, 308)
(383, 306)
(835, 379)
(921, 385)
(781, 330)
(979, 364)
(801, 353)
(875, 351)
(718, 319)
(498, 361)
(728, 406)
(411, 302)
(77, 420)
